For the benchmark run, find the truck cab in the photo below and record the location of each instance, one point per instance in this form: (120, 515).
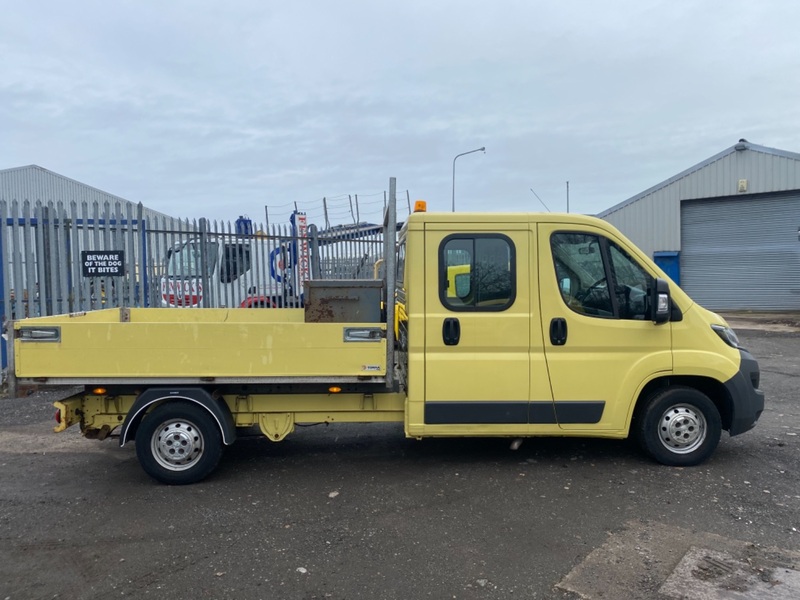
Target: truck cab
(546, 324)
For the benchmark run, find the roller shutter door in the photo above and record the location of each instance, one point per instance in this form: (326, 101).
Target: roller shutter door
(742, 253)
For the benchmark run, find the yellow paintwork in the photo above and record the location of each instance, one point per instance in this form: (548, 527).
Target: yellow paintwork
(170, 343)
(245, 407)
(275, 414)
(502, 356)
(93, 413)
(606, 359)
(276, 426)
(70, 413)
(697, 350)
(400, 316)
(452, 271)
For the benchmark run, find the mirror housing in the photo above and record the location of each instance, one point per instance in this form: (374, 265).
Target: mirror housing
(660, 301)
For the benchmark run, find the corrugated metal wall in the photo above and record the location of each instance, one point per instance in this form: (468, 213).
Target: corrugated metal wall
(653, 223)
(652, 219)
(742, 253)
(34, 183)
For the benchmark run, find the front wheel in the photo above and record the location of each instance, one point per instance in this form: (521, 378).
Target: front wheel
(178, 443)
(679, 427)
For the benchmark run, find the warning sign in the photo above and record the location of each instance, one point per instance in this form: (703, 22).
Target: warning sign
(103, 263)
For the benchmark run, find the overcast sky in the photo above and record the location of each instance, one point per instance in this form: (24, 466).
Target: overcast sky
(218, 109)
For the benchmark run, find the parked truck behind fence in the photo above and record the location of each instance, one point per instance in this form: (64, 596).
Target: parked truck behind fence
(507, 325)
(247, 269)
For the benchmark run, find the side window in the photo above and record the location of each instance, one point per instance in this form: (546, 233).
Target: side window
(631, 285)
(585, 263)
(235, 262)
(581, 273)
(477, 272)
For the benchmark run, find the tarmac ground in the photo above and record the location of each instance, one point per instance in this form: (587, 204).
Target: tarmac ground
(359, 511)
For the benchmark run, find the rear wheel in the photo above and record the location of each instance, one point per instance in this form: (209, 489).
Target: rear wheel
(178, 443)
(679, 426)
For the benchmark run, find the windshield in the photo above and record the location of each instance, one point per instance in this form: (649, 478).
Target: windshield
(185, 260)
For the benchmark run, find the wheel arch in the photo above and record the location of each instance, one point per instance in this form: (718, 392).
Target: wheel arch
(715, 390)
(153, 397)
(259, 302)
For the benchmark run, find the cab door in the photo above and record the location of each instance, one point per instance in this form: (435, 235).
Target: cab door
(601, 344)
(484, 357)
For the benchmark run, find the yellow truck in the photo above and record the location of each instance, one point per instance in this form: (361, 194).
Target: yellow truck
(512, 325)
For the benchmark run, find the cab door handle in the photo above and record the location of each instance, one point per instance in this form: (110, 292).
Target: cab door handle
(451, 332)
(558, 331)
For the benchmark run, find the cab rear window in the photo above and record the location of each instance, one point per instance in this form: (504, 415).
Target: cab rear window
(477, 272)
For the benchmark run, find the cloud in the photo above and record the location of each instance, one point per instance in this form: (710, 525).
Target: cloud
(214, 112)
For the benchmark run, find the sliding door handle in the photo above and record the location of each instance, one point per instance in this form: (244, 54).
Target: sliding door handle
(451, 332)
(558, 331)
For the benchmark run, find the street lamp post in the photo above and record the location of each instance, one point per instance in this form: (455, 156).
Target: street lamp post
(483, 149)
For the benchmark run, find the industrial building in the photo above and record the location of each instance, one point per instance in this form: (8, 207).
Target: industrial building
(52, 228)
(727, 230)
(37, 184)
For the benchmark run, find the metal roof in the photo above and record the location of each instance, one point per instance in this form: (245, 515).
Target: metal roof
(740, 146)
(34, 183)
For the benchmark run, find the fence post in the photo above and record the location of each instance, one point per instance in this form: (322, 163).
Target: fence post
(316, 265)
(3, 298)
(48, 288)
(204, 260)
(142, 294)
(390, 257)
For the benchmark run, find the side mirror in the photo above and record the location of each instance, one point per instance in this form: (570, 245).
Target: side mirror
(660, 301)
(566, 286)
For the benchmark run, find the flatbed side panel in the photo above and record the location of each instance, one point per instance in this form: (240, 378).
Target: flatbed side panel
(217, 315)
(89, 349)
(253, 381)
(171, 315)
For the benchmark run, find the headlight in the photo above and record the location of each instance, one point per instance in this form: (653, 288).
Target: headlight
(727, 335)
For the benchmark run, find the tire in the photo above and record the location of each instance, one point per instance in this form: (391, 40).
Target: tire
(679, 427)
(178, 443)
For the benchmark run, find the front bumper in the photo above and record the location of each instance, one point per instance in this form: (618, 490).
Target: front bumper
(748, 399)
